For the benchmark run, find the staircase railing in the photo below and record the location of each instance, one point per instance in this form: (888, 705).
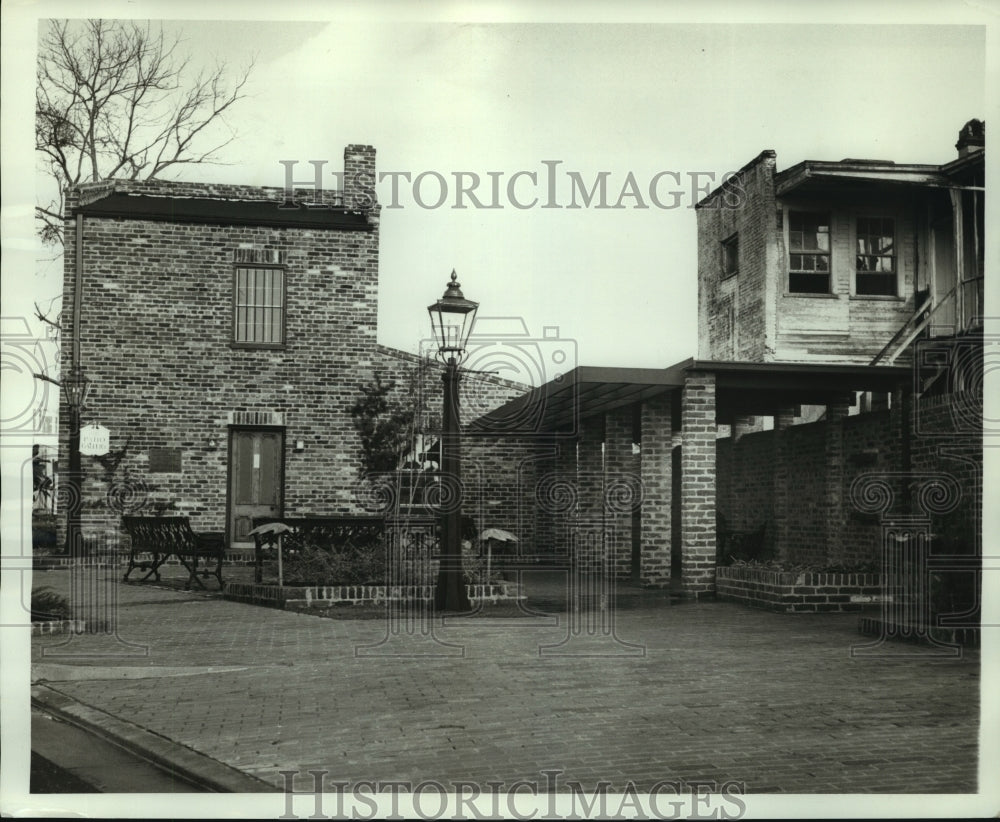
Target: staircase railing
(910, 330)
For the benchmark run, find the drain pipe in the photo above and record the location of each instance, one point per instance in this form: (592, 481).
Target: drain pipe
(77, 292)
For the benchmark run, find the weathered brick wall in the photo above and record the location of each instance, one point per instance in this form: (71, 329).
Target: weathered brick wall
(943, 442)
(744, 487)
(156, 333)
(155, 338)
(947, 439)
(734, 314)
(869, 447)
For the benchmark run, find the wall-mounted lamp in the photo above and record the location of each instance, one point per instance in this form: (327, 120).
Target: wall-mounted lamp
(300, 446)
(213, 443)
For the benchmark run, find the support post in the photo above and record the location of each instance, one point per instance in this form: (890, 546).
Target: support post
(698, 534)
(450, 593)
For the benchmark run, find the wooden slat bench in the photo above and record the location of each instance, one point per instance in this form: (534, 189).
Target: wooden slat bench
(162, 537)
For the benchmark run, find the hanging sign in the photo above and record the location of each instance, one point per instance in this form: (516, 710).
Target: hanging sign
(95, 440)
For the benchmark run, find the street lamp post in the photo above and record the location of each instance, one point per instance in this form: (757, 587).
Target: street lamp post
(452, 318)
(76, 387)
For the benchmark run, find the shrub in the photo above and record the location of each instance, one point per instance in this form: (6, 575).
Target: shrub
(43, 534)
(48, 605)
(746, 546)
(313, 565)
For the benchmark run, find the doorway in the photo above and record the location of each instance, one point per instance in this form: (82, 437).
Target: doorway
(256, 479)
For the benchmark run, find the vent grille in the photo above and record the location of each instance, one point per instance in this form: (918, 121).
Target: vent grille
(259, 256)
(257, 418)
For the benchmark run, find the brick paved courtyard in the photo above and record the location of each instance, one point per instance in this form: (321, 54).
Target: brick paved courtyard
(721, 693)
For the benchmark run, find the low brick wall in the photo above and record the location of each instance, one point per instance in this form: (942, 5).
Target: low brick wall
(62, 626)
(324, 596)
(798, 592)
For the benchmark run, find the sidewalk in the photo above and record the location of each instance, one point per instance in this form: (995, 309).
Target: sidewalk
(710, 691)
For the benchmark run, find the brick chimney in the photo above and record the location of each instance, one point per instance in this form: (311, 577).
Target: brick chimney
(359, 178)
(971, 138)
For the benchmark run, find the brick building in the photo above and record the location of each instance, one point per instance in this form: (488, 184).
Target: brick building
(226, 333)
(226, 337)
(840, 345)
(828, 261)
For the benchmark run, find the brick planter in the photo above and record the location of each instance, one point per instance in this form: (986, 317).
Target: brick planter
(798, 592)
(325, 596)
(62, 626)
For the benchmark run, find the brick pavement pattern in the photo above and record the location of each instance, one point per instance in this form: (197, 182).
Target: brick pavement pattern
(722, 693)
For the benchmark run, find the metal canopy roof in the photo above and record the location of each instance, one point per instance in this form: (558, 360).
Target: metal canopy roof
(742, 388)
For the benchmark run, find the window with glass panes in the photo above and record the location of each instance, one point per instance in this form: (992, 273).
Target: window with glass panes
(259, 306)
(875, 264)
(808, 252)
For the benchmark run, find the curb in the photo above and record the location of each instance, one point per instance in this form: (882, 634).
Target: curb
(198, 769)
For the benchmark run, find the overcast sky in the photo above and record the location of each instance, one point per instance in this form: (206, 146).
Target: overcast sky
(688, 99)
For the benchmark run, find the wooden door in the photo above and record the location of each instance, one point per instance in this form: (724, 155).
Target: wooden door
(255, 479)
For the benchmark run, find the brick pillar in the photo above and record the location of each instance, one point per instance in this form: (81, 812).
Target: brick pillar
(834, 479)
(621, 487)
(589, 523)
(698, 484)
(657, 476)
(782, 543)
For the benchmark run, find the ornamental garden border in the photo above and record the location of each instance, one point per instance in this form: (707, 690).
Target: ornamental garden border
(799, 591)
(325, 596)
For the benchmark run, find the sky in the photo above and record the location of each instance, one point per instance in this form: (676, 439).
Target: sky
(685, 101)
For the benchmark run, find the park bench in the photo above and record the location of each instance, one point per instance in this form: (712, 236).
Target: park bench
(333, 533)
(163, 537)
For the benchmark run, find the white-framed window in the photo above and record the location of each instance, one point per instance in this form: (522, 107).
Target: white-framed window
(808, 252)
(875, 269)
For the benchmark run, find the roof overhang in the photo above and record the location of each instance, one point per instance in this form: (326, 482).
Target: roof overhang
(559, 405)
(741, 388)
(268, 213)
(813, 175)
(759, 389)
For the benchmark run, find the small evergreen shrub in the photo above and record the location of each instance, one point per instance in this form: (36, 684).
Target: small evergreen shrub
(48, 605)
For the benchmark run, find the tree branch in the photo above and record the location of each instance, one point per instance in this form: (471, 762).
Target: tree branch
(115, 99)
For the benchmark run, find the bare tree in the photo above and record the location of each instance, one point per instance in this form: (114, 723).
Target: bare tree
(113, 99)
